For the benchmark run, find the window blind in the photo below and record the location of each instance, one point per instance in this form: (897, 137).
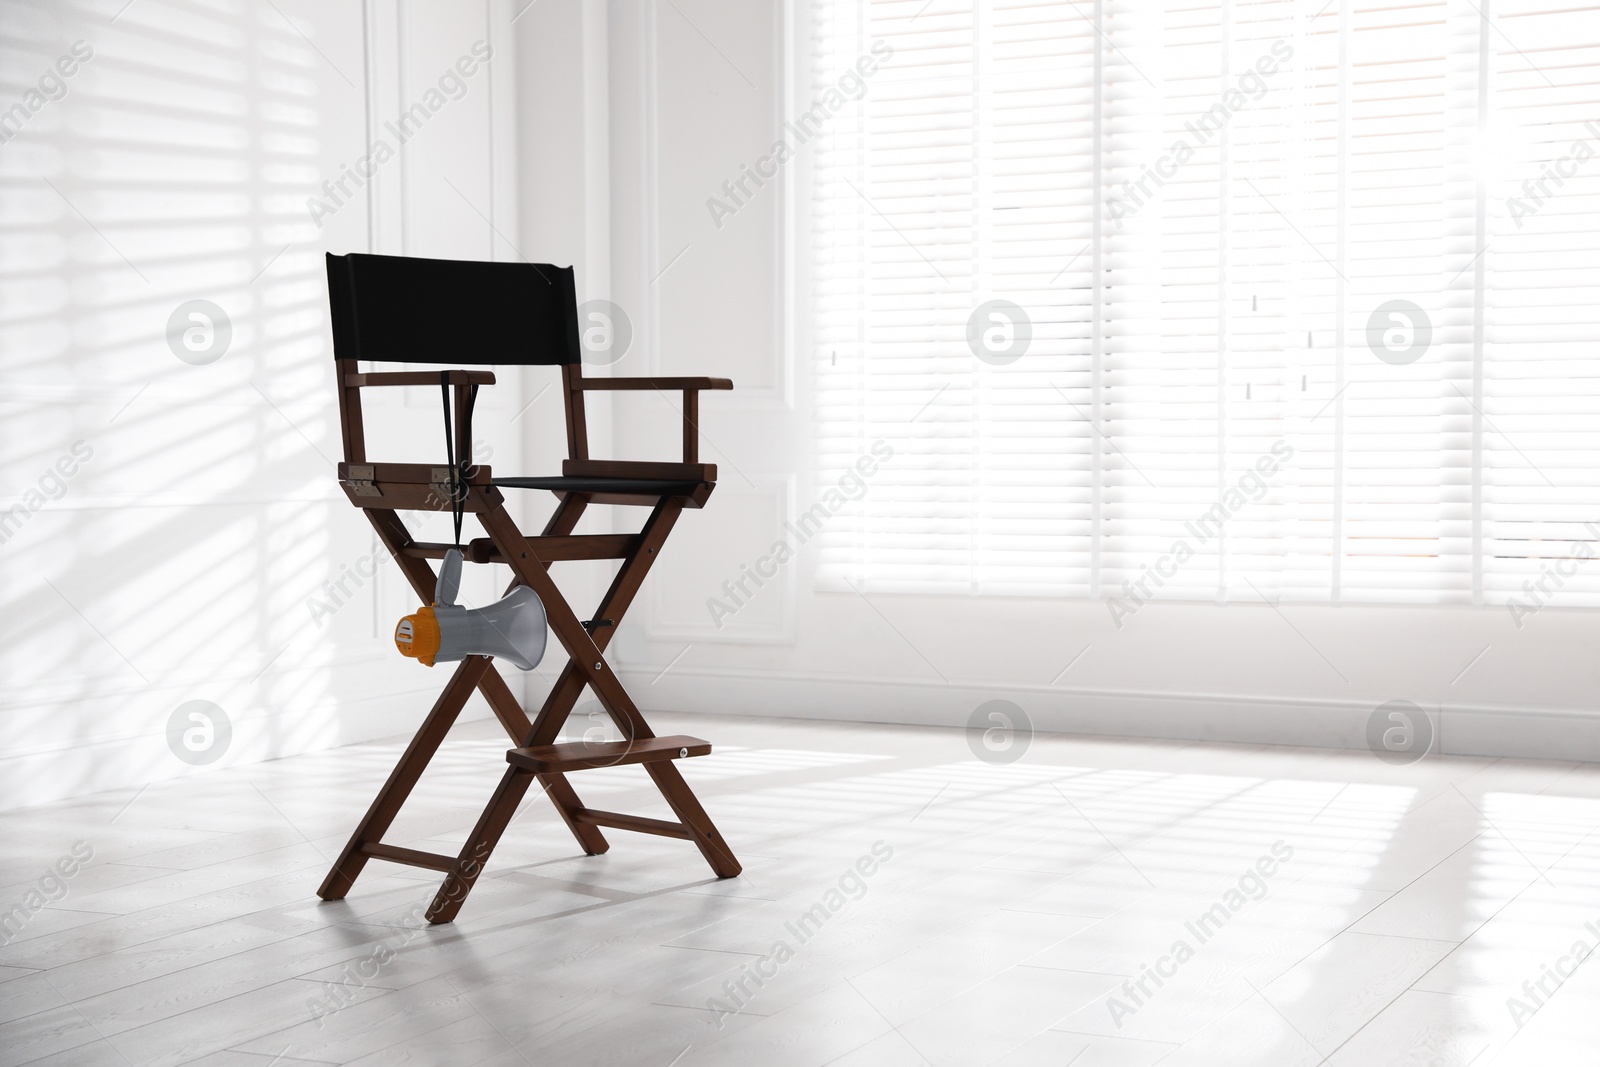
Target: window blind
(1540, 390)
(1294, 326)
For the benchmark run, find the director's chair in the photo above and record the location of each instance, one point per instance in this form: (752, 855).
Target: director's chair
(398, 309)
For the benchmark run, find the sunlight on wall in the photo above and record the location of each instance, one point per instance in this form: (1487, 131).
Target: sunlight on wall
(175, 563)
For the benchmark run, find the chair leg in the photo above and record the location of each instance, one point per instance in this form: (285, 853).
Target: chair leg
(477, 672)
(403, 778)
(504, 704)
(585, 649)
(687, 807)
(565, 798)
(556, 786)
(480, 843)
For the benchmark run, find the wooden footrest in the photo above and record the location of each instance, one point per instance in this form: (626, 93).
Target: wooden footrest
(409, 856)
(583, 755)
(637, 823)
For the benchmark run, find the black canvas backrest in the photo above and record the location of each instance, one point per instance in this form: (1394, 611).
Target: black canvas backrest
(405, 310)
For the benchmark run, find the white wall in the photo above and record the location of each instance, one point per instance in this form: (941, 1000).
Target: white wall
(697, 88)
(179, 563)
(564, 203)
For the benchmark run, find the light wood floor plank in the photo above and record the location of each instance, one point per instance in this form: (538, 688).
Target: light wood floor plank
(1006, 912)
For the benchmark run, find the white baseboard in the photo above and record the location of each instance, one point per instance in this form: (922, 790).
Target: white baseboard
(1530, 733)
(39, 777)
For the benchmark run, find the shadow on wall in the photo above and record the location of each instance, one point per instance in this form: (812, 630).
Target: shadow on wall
(169, 433)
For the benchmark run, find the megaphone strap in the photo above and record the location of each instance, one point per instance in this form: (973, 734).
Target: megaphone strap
(460, 473)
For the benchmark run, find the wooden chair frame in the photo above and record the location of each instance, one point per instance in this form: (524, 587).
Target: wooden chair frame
(383, 489)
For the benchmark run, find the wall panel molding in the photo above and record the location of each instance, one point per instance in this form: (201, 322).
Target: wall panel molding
(1460, 729)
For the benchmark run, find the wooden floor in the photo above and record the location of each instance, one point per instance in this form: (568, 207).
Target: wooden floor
(1098, 903)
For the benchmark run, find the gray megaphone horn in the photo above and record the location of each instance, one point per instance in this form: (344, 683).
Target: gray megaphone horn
(512, 628)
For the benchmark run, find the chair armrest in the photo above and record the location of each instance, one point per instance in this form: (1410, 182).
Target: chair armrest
(418, 377)
(690, 387)
(462, 391)
(653, 383)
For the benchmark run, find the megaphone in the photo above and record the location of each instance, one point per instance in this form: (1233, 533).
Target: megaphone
(512, 628)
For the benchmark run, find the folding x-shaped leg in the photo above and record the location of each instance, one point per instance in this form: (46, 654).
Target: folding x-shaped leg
(537, 755)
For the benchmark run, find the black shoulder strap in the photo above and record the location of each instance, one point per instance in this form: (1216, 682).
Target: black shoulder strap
(460, 471)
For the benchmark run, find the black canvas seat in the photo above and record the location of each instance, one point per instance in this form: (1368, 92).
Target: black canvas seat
(631, 486)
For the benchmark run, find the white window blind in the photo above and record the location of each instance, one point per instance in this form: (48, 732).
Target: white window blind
(1298, 328)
